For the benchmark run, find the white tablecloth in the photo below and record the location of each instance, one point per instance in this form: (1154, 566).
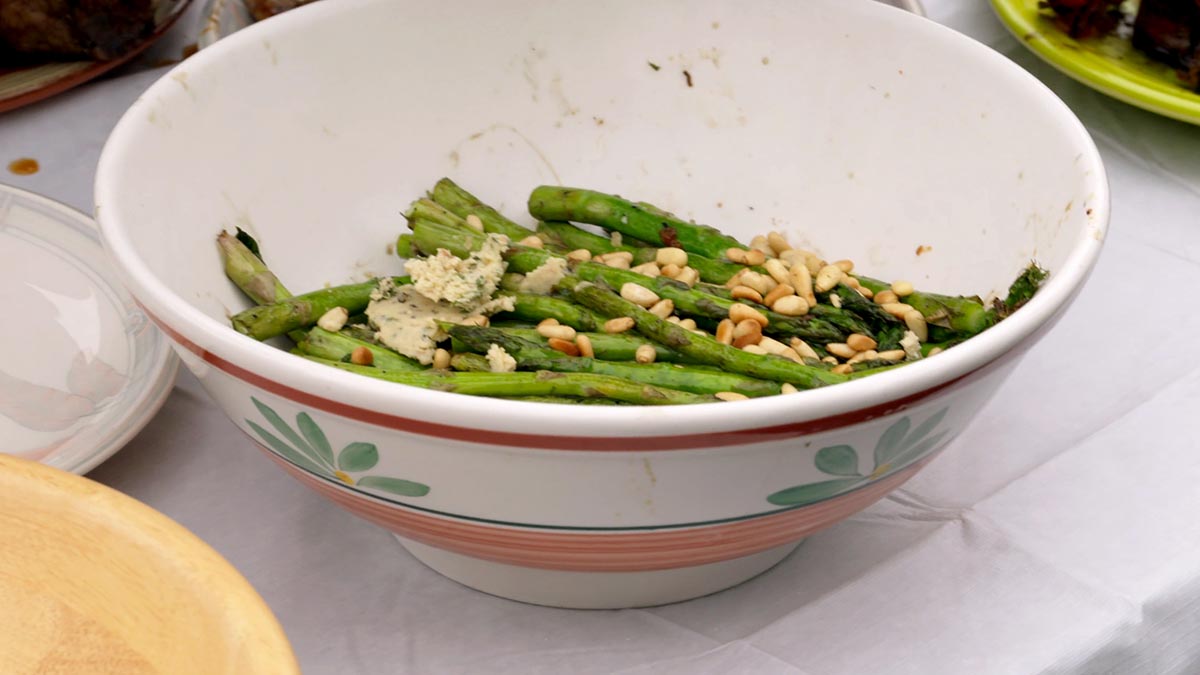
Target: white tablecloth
(1060, 533)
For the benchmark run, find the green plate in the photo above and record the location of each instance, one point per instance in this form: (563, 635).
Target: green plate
(1108, 64)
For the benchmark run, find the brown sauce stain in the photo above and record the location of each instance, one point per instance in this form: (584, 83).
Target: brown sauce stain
(24, 166)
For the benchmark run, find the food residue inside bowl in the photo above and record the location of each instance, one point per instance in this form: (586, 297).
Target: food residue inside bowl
(24, 166)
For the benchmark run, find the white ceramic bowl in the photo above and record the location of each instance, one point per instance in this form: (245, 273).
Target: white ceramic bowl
(860, 130)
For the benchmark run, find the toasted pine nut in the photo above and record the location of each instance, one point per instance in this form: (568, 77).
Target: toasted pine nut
(731, 396)
(747, 332)
(619, 324)
(755, 257)
(736, 255)
(801, 279)
(334, 320)
(362, 356)
(746, 293)
(673, 319)
(852, 282)
(532, 241)
(474, 222)
(863, 356)
(791, 355)
(645, 354)
(688, 276)
(620, 255)
(835, 300)
(548, 321)
(475, 320)
(663, 308)
(565, 346)
(780, 291)
(619, 263)
(689, 324)
(813, 262)
(754, 349)
(671, 255)
(916, 323)
(639, 295)
(891, 355)
(778, 243)
(760, 243)
(830, 360)
(740, 312)
(615, 238)
(902, 288)
(671, 271)
(649, 269)
(886, 297)
(725, 332)
(934, 351)
(865, 292)
(777, 270)
(697, 331)
(773, 346)
(579, 255)
(441, 359)
(896, 309)
(840, 350)
(560, 332)
(792, 257)
(791, 305)
(844, 369)
(759, 282)
(736, 279)
(584, 343)
(803, 349)
(860, 343)
(828, 277)
(786, 388)
(846, 266)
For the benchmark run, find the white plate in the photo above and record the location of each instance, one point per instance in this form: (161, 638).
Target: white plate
(81, 369)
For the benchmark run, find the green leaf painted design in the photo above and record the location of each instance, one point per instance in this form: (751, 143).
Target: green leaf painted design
(838, 460)
(923, 429)
(316, 437)
(919, 449)
(358, 457)
(889, 443)
(286, 431)
(286, 450)
(806, 494)
(397, 486)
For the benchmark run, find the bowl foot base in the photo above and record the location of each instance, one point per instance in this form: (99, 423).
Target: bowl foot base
(595, 590)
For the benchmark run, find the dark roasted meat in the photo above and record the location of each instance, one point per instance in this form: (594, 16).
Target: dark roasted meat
(261, 9)
(96, 29)
(1085, 18)
(1168, 31)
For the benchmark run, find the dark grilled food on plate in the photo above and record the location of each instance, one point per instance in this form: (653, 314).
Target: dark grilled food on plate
(72, 29)
(262, 9)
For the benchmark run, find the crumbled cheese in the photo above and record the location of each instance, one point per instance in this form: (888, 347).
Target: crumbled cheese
(464, 282)
(500, 360)
(912, 346)
(334, 320)
(615, 238)
(542, 280)
(407, 321)
(835, 300)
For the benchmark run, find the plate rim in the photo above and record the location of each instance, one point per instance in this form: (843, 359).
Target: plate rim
(1184, 107)
(151, 397)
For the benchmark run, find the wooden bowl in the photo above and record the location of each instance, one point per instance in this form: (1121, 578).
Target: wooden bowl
(92, 581)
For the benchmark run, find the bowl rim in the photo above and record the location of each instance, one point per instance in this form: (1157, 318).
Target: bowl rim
(494, 420)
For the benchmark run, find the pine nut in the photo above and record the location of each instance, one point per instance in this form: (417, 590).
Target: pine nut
(579, 255)
(773, 346)
(886, 297)
(777, 270)
(619, 263)
(934, 351)
(865, 292)
(828, 277)
(840, 350)
(362, 356)
(778, 243)
(615, 238)
(813, 262)
(736, 255)
(618, 325)
(474, 222)
(759, 243)
(844, 369)
(860, 343)
(441, 359)
(852, 282)
(663, 308)
(645, 354)
(780, 291)
(565, 346)
(531, 241)
(740, 312)
(792, 257)
(846, 266)
(902, 288)
(725, 332)
(736, 280)
(803, 349)
(916, 323)
(759, 282)
(671, 255)
(863, 356)
(584, 344)
(688, 276)
(697, 331)
(649, 269)
(548, 321)
(835, 300)
(560, 332)
(891, 355)
(754, 257)
(747, 332)
(673, 319)
(731, 396)
(334, 320)
(896, 309)
(754, 349)
(791, 305)
(791, 355)
(475, 320)
(671, 271)
(689, 324)
(746, 293)
(786, 388)
(801, 279)
(639, 295)
(830, 360)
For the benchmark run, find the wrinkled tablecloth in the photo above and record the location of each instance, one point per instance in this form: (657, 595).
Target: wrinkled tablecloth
(1059, 534)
